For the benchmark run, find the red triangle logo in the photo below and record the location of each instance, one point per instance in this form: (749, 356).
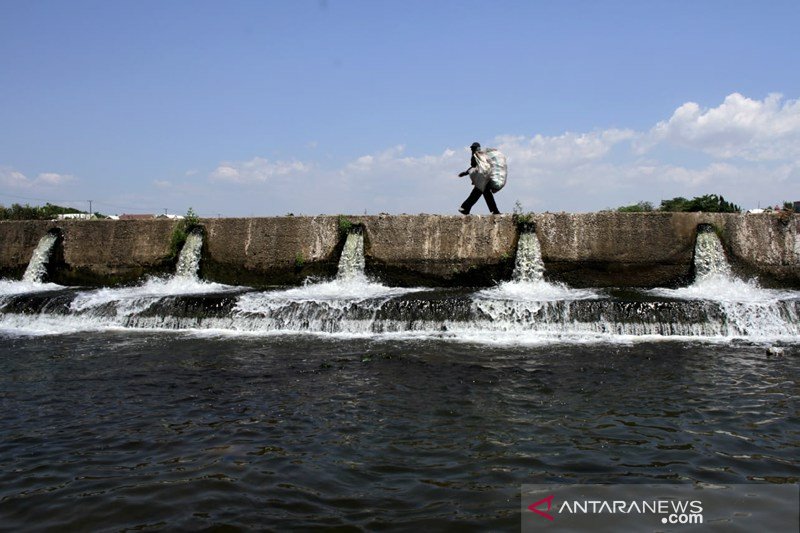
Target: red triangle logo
(548, 501)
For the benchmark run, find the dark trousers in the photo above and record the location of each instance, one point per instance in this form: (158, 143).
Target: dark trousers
(475, 194)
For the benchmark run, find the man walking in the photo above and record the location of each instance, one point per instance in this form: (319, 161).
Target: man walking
(482, 186)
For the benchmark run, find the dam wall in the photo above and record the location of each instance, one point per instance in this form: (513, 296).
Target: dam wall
(590, 249)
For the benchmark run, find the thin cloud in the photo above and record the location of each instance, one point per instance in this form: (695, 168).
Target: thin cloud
(754, 148)
(15, 179)
(257, 170)
(750, 154)
(561, 151)
(755, 130)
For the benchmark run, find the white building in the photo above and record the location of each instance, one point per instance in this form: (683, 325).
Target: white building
(75, 216)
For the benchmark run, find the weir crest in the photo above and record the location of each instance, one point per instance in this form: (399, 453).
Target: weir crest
(525, 309)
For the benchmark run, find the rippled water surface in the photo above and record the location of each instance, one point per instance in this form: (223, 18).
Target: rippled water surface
(118, 430)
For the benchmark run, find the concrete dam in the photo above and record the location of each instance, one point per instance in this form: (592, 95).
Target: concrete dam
(581, 250)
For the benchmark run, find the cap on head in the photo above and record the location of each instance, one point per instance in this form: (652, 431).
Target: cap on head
(475, 146)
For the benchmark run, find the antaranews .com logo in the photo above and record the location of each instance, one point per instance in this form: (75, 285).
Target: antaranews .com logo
(671, 511)
(671, 507)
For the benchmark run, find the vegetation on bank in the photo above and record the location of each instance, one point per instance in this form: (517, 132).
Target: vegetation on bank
(47, 211)
(708, 203)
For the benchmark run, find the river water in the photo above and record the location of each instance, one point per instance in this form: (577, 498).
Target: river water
(179, 404)
(107, 424)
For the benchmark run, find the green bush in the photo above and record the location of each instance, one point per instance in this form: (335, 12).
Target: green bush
(182, 229)
(641, 207)
(709, 203)
(344, 225)
(521, 219)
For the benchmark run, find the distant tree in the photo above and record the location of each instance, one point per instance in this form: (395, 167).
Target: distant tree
(709, 203)
(679, 203)
(641, 207)
(27, 212)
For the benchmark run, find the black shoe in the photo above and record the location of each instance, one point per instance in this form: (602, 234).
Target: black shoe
(463, 211)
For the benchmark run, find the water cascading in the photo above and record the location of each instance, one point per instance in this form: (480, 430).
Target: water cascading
(528, 266)
(709, 256)
(189, 258)
(527, 308)
(351, 263)
(37, 267)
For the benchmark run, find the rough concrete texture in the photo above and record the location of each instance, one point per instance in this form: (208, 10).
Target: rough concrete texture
(269, 251)
(433, 249)
(593, 249)
(90, 251)
(761, 244)
(601, 249)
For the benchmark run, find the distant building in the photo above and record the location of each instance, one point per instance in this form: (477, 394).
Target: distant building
(170, 216)
(797, 207)
(126, 216)
(74, 216)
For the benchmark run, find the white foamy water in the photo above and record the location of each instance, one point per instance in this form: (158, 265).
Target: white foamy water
(341, 291)
(526, 311)
(45, 324)
(528, 265)
(11, 287)
(37, 266)
(724, 289)
(350, 287)
(131, 300)
(539, 291)
(351, 262)
(528, 283)
(715, 281)
(748, 309)
(189, 259)
(552, 323)
(467, 336)
(709, 257)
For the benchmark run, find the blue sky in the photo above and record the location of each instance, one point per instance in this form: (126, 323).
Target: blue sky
(266, 108)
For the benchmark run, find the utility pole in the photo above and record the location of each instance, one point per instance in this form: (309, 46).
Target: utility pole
(90, 209)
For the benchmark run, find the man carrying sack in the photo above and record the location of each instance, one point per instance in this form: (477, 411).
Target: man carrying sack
(488, 172)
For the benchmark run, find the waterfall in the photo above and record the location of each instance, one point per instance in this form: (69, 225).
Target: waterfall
(37, 267)
(423, 314)
(528, 266)
(189, 259)
(351, 263)
(527, 309)
(709, 256)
